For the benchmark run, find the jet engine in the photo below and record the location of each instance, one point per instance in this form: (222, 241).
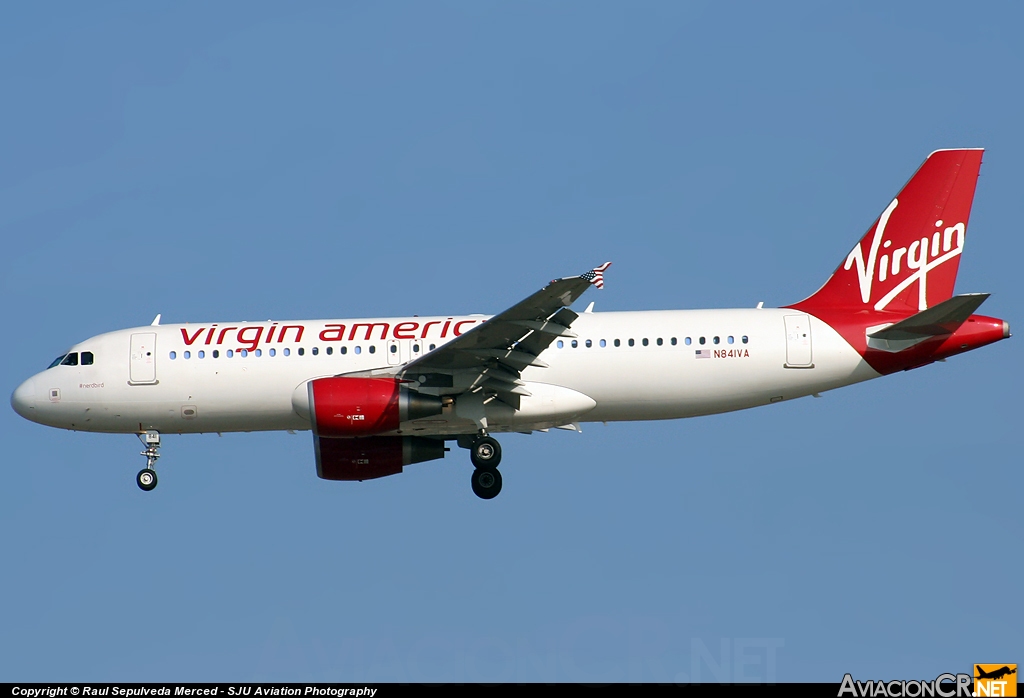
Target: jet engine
(371, 457)
(349, 407)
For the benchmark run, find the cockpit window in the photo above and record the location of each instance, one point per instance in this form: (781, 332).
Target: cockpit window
(87, 358)
(56, 362)
(70, 360)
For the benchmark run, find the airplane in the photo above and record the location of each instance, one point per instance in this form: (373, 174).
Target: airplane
(382, 393)
(995, 674)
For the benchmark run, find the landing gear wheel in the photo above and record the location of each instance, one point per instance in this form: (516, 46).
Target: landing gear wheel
(146, 479)
(485, 452)
(486, 483)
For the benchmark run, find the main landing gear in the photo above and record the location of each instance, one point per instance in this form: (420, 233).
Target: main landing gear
(485, 452)
(146, 479)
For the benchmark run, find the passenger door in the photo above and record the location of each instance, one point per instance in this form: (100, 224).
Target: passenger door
(142, 367)
(798, 341)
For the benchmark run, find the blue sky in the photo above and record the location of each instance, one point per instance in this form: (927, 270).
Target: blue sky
(246, 160)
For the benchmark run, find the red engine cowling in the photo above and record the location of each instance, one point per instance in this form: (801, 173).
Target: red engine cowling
(347, 407)
(371, 457)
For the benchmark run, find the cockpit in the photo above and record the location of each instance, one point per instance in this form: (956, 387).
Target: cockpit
(74, 358)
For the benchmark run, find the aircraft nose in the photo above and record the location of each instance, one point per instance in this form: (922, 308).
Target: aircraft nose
(23, 399)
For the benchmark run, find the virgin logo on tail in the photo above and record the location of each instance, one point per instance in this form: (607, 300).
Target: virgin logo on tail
(920, 257)
(918, 239)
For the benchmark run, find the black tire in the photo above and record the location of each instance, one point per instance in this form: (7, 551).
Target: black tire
(486, 483)
(485, 452)
(146, 479)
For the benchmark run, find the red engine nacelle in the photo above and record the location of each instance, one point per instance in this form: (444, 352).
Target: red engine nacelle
(348, 407)
(375, 456)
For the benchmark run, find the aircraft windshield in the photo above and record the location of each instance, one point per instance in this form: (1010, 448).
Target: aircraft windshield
(71, 359)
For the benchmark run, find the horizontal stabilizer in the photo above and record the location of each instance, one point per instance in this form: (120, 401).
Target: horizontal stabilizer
(939, 320)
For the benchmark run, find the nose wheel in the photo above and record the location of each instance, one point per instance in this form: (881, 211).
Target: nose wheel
(146, 479)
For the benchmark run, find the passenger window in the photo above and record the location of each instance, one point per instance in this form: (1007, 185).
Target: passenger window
(673, 340)
(660, 341)
(216, 353)
(273, 352)
(687, 341)
(730, 339)
(173, 355)
(432, 347)
(258, 352)
(201, 354)
(646, 342)
(359, 350)
(187, 355)
(244, 353)
(87, 358)
(287, 351)
(716, 340)
(589, 344)
(603, 343)
(617, 342)
(575, 344)
(330, 350)
(744, 339)
(70, 360)
(701, 340)
(394, 348)
(559, 344)
(302, 351)
(631, 342)
(230, 353)
(373, 348)
(344, 350)
(316, 351)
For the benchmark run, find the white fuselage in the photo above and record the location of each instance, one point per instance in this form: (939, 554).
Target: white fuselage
(624, 366)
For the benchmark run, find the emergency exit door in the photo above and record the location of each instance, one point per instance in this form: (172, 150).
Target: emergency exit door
(394, 352)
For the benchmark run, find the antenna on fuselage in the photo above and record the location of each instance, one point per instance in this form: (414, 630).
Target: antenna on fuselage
(156, 320)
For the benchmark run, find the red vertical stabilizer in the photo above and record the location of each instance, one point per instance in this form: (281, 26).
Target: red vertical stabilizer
(906, 263)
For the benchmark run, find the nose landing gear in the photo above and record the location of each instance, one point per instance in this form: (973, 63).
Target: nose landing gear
(146, 479)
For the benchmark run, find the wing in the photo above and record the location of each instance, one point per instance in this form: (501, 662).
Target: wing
(491, 356)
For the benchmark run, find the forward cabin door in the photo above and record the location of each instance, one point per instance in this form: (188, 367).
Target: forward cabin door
(798, 341)
(142, 367)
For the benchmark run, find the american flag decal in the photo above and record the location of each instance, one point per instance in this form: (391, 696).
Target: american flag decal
(596, 276)
(703, 353)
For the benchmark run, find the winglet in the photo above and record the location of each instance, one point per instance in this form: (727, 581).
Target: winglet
(156, 320)
(596, 275)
